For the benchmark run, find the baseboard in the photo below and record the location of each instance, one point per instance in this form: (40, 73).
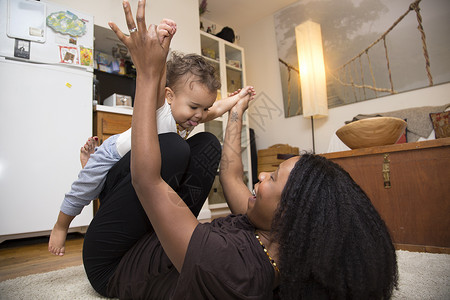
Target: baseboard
(422, 248)
(81, 229)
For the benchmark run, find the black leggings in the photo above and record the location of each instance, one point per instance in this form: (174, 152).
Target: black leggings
(189, 167)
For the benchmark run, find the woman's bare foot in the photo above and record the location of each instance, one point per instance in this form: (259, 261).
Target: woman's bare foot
(56, 244)
(87, 150)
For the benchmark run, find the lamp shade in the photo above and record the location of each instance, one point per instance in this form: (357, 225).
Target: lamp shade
(312, 70)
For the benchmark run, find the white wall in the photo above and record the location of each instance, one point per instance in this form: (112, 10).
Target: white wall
(271, 127)
(184, 12)
(262, 71)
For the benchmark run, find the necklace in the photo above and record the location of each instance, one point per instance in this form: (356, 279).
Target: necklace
(180, 131)
(274, 264)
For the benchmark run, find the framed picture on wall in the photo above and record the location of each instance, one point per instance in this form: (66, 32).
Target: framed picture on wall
(371, 48)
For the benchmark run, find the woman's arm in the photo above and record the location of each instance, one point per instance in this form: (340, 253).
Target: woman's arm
(222, 106)
(231, 168)
(171, 218)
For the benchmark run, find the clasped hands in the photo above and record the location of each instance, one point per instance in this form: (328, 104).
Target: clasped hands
(148, 46)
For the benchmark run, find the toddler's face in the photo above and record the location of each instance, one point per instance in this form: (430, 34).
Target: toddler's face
(190, 103)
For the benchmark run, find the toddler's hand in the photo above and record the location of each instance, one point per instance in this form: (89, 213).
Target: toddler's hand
(245, 96)
(234, 93)
(247, 91)
(167, 28)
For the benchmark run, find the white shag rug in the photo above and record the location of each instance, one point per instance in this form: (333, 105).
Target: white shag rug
(421, 276)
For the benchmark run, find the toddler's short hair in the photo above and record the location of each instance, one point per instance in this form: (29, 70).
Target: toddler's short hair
(180, 65)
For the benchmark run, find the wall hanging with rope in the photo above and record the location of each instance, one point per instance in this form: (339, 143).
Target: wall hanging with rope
(365, 58)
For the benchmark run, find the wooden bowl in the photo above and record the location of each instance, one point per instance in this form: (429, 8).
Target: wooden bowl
(370, 132)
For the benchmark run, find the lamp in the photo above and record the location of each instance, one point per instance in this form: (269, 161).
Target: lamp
(312, 72)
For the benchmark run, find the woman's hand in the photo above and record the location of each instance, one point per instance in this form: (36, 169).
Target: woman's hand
(148, 47)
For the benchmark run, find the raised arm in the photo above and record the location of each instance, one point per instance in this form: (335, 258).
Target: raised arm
(231, 168)
(222, 106)
(172, 220)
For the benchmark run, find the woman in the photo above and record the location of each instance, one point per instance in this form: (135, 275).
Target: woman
(308, 230)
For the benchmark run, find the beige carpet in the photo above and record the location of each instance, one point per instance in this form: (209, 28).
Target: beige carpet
(422, 276)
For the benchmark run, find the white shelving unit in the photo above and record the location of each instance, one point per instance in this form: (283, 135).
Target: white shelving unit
(228, 59)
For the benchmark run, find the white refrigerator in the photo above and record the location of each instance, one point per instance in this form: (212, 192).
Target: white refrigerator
(46, 56)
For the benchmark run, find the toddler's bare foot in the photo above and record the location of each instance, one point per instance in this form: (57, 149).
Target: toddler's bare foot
(56, 244)
(87, 150)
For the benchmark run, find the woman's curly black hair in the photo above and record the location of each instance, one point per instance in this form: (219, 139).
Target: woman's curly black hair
(333, 244)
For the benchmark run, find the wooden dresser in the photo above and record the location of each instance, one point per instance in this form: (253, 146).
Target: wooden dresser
(409, 185)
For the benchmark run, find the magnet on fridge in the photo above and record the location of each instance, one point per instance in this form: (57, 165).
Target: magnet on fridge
(22, 49)
(66, 22)
(73, 40)
(68, 85)
(86, 58)
(68, 55)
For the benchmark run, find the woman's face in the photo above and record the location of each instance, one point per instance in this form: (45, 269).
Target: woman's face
(262, 205)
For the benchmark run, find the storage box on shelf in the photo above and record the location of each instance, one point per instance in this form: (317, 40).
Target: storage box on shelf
(228, 59)
(269, 159)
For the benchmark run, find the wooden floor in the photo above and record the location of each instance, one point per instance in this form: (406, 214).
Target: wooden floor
(30, 256)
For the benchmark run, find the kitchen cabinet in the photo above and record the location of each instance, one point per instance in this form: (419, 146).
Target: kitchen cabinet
(228, 60)
(409, 186)
(109, 121)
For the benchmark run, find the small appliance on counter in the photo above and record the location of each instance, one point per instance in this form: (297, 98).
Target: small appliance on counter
(118, 100)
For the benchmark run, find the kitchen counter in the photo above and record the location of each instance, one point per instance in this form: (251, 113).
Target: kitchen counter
(114, 109)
